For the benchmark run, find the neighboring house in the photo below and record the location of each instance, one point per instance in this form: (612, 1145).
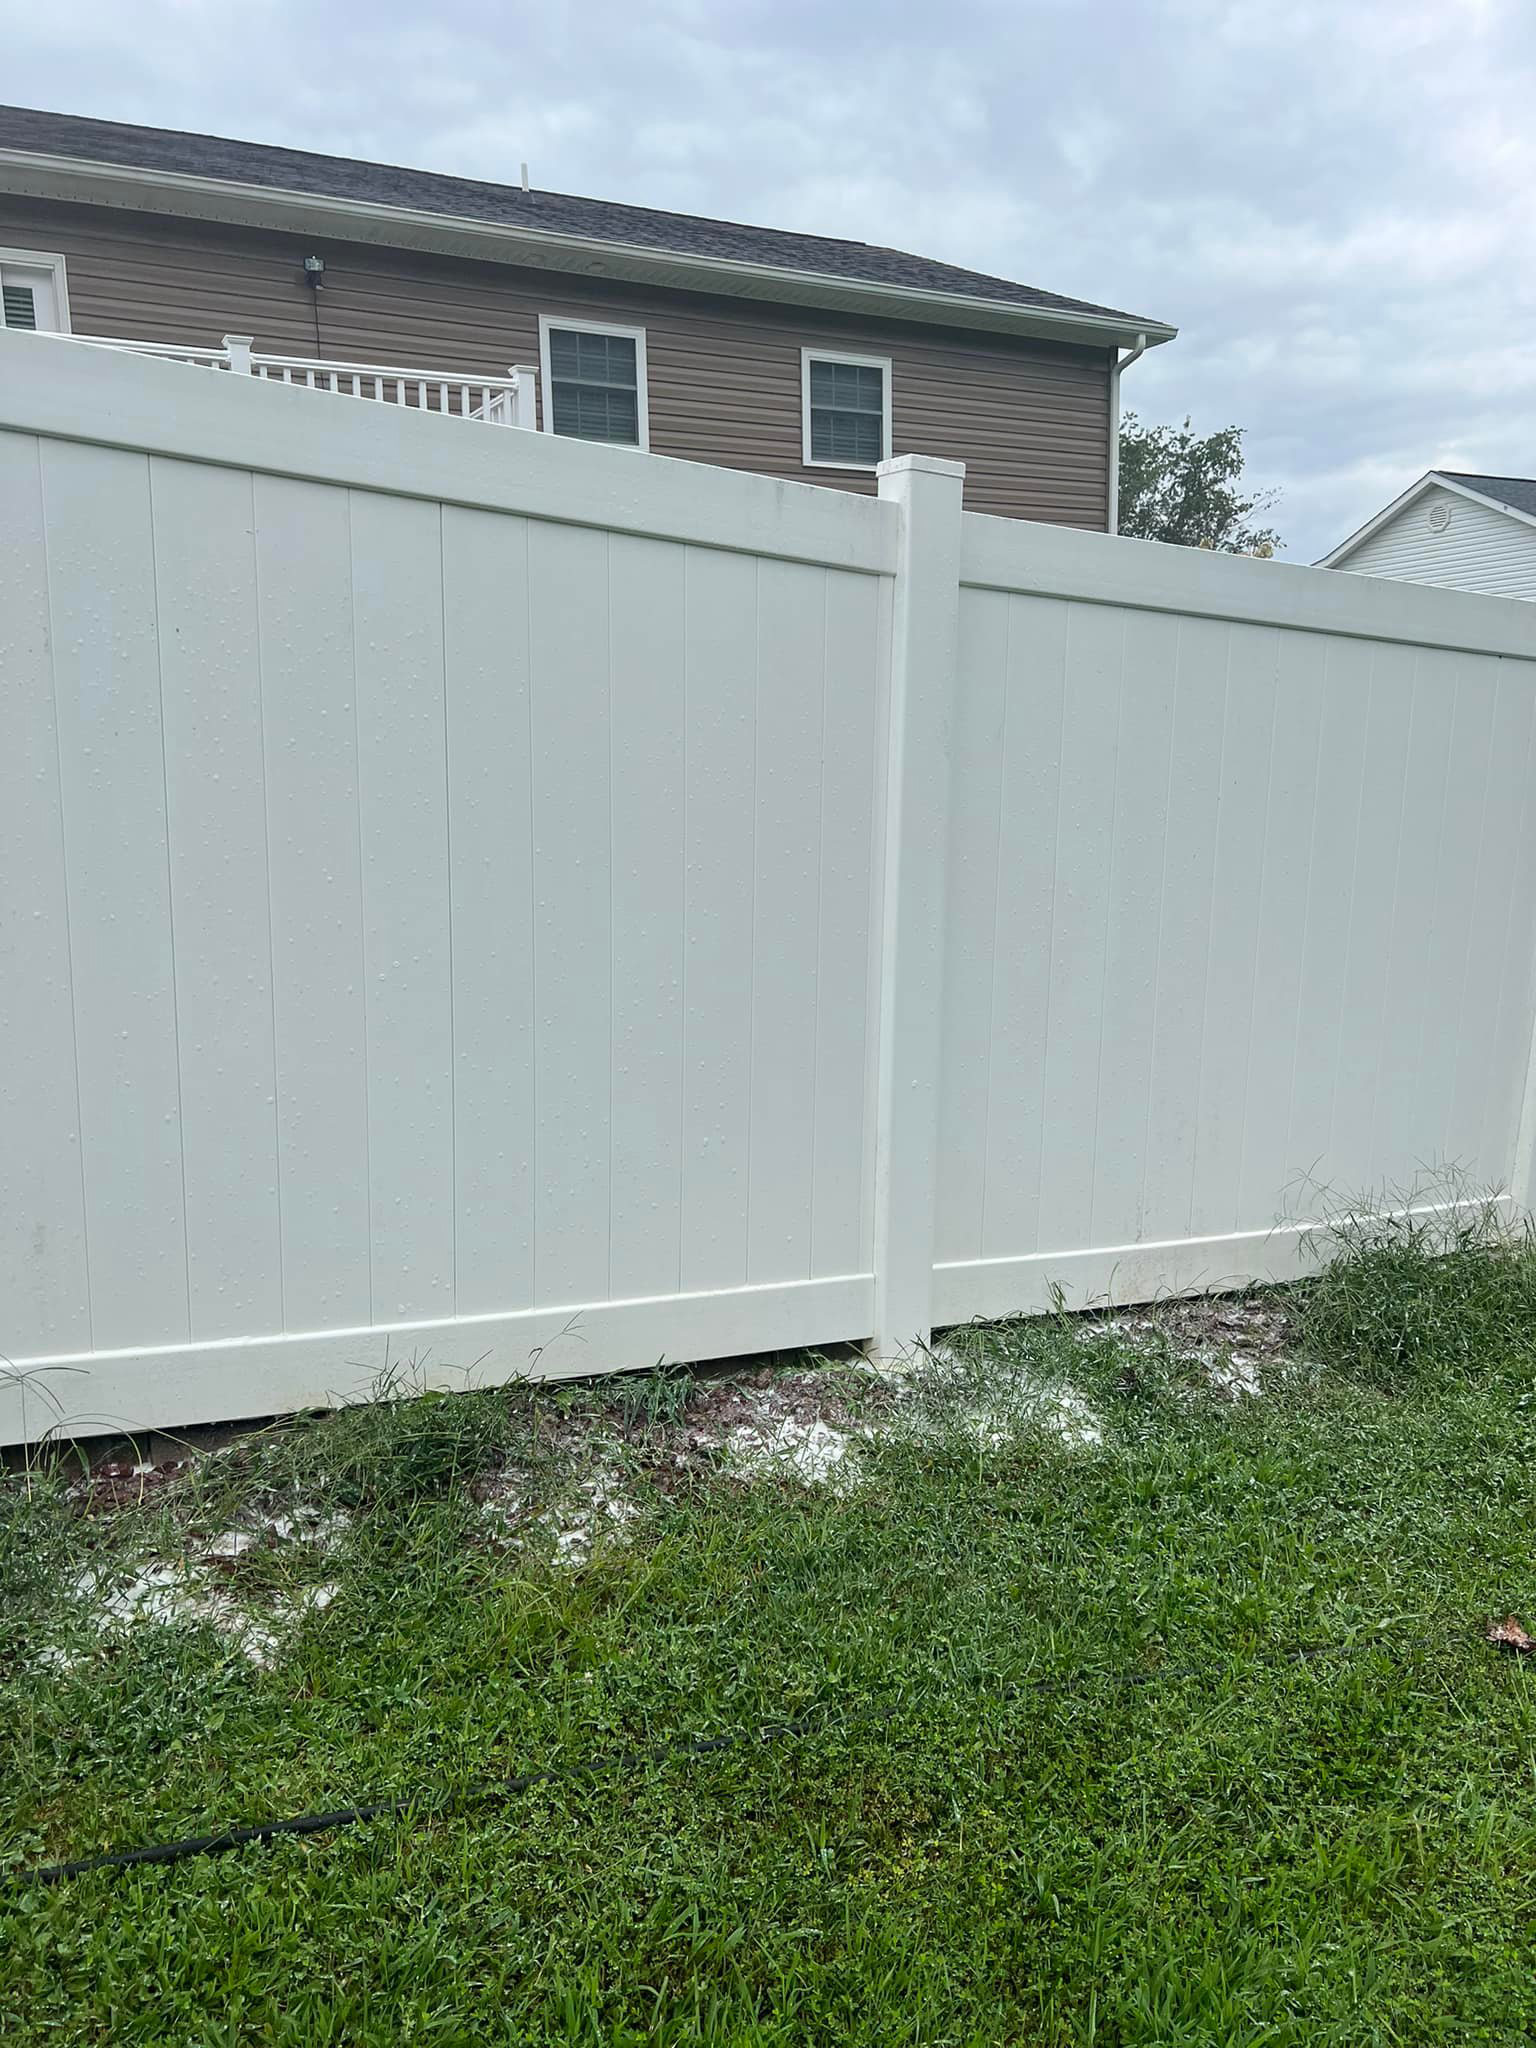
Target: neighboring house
(798, 355)
(1451, 527)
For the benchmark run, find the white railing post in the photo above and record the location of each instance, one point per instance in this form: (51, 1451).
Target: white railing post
(525, 411)
(924, 654)
(239, 348)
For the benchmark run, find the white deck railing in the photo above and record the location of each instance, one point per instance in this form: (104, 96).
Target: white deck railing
(508, 401)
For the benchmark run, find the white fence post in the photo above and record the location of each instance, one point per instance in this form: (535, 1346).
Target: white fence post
(925, 631)
(239, 347)
(524, 398)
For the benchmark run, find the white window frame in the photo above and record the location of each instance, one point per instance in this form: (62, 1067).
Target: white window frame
(838, 355)
(42, 259)
(550, 321)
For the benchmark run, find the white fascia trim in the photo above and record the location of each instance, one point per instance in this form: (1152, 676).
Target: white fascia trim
(1433, 479)
(839, 355)
(44, 259)
(84, 180)
(546, 386)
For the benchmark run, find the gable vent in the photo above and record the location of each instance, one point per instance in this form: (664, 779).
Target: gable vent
(1439, 518)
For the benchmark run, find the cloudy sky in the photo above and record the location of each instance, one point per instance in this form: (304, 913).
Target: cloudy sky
(1335, 202)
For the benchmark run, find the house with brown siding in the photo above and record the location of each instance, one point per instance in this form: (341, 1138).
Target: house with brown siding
(797, 355)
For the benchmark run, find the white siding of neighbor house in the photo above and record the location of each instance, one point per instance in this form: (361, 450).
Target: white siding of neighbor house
(1481, 549)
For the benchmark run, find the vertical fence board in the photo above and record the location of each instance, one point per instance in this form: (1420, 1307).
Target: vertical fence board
(112, 788)
(1513, 1034)
(717, 990)
(1450, 907)
(397, 624)
(1143, 796)
(573, 955)
(304, 581)
(1014, 1214)
(791, 679)
(841, 1168)
(205, 573)
(1337, 821)
(1366, 913)
(1396, 1148)
(1078, 985)
(44, 1282)
(1185, 925)
(649, 724)
(1487, 926)
(1269, 1167)
(490, 801)
(979, 748)
(1226, 1024)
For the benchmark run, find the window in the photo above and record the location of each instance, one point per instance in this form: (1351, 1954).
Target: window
(593, 382)
(32, 293)
(845, 410)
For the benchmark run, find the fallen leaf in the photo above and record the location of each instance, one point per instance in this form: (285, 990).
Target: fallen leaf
(1509, 1635)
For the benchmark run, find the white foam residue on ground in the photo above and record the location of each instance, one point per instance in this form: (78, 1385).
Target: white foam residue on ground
(1003, 1405)
(178, 1595)
(1064, 1411)
(1059, 1410)
(308, 1525)
(1237, 1377)
(600, 1512)
(809, 1451)
(303, 1525)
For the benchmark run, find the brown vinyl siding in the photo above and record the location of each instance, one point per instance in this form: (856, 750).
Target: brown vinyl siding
(1030, 420)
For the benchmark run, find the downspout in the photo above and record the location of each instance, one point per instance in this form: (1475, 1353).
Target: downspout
(1120, 363)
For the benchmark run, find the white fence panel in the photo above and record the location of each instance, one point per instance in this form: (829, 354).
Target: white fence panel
(1239, 913)
(524, 906)
(450, 904)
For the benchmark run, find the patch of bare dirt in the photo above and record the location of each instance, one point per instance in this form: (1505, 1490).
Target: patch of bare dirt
(1238, 1340)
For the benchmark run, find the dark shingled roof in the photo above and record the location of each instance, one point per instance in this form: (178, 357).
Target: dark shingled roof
(1518, 492)
(638, 227)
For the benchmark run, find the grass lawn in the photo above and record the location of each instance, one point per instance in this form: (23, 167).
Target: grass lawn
(1140, 1709)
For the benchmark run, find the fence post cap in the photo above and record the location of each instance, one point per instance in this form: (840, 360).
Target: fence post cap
(924, 465)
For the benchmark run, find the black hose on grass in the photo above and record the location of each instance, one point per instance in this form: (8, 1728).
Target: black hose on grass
(417, 1806)
(412, 1806)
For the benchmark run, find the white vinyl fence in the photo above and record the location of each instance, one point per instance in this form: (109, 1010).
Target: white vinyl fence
(526, 907)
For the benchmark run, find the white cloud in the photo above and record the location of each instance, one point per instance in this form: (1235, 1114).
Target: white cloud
(1332, 202)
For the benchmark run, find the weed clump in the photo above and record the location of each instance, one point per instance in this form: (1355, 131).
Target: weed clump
(1412, 1292)
(405, 1445)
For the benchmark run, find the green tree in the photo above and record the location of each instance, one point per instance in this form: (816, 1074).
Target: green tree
(1176, 486)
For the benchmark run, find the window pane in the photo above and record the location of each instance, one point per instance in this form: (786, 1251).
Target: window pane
(846, 436)
(592, 358)
(594, 385)
(847, 411)
(593, 412)
(851, 387)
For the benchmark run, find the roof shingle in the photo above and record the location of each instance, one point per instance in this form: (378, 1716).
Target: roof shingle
(599, 220)
(1518, 492)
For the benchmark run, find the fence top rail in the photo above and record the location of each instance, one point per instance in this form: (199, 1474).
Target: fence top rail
(146, 404)
(177, 351)
(1099, 568)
